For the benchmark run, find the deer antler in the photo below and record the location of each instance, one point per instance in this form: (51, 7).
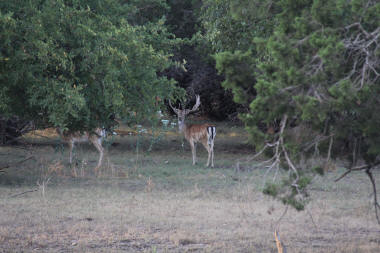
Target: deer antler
(174, 109)
(197, 104)
(204, 133)
(187, 111)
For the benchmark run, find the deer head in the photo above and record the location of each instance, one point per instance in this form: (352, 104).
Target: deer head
(183, 113)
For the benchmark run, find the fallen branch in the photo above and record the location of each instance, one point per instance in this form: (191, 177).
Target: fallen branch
(16, 163)
(311, 217)
(18, 194)
(282, 216)
(280, 246)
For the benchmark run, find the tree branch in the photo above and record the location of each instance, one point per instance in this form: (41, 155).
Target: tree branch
(361, 167)
(16, 163)
(18, 194)
(376, 204)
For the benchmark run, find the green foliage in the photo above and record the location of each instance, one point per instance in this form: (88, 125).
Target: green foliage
(303, 182)
(302, 63)
(182, 17)
(75, 64)
(231, 25)
(290, 64)
(271, 189)
(288, 193)
(238, 77)
(292, 201)
(318, 170)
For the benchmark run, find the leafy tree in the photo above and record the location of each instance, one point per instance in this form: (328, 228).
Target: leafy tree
(198, 74)
(321, 72)
(230, 27)
(313, 65)
(76, 64)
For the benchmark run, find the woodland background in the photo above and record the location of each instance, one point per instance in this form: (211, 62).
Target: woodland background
(301, 76)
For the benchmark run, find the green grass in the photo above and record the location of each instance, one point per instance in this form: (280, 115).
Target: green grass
(156, 201)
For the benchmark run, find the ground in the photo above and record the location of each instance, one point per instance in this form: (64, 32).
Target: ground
(149, 198)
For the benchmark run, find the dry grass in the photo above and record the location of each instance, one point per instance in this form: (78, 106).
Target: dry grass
(157, 202)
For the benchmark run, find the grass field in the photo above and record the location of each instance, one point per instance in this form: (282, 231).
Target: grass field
(151, 199)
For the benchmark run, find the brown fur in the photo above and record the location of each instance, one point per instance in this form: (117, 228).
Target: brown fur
(195, 133)
(94, 137)
(198, 133)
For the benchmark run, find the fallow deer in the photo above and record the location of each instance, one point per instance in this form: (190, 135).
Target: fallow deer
(204, 133)
(95, 137)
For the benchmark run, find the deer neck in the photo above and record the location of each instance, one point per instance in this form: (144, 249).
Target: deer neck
(182, 127)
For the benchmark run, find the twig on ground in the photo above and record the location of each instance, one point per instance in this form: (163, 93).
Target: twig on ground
(16, 163)
(277, 224)
(18, 194)
(311, 216)
(280, 245)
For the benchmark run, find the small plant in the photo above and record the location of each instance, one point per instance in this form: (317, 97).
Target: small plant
(318, 170)
(271, 189)
(47, 173)
(149, 185)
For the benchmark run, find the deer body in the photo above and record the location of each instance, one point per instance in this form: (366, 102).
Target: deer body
(194, 133)
(95, 137)
(204, 134)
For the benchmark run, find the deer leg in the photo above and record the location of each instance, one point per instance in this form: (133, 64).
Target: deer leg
(193, 151)
(73, 168)
(210, 142)
(212, 154)
(98, 145)
(209, 156)
(208, 159)
(71, 146)
(207, 147)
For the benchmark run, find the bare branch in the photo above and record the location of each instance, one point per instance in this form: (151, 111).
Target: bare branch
(317, 140)
(18, 194)
(330, 147)
(349, 171)
(357, 24)
(281, 139)
(267, 145)
(281, 217)
(361, 47)
(16, 163)
(376, 204)
(358, 168)
(280, 245)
